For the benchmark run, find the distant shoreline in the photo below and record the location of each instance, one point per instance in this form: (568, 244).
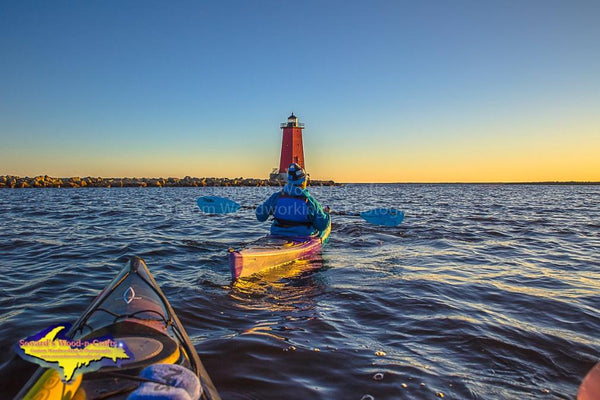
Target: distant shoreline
(540, 183)
(45, 181)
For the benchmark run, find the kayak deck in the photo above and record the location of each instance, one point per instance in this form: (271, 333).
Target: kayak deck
(274, 251)
(133, 311)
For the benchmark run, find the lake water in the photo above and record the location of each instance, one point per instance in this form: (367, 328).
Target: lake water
(483, 292)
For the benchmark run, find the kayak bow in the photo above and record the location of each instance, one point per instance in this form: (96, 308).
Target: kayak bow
(131, 310)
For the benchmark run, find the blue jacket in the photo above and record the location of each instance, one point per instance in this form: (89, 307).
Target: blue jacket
(296, 213)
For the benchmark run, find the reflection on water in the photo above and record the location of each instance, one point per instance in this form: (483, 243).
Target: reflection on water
(286, 288)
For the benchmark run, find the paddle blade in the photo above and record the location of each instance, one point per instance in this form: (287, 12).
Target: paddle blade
(217, 205)
(383, 216)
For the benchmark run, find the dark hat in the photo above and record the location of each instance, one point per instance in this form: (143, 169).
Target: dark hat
(296, 174)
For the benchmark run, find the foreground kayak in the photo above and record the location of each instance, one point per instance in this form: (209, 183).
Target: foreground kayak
(134, 312)
(273, 251)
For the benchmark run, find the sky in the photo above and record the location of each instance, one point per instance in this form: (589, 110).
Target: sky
(389, 91)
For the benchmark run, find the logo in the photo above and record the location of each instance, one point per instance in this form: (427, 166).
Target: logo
(129, 295)
(51, 349)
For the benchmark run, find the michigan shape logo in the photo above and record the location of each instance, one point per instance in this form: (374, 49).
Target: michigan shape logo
(51, 349)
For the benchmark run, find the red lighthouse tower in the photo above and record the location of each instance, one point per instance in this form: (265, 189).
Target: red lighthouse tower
(292, 150)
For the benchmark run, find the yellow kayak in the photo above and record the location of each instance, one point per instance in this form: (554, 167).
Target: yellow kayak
(133, 312)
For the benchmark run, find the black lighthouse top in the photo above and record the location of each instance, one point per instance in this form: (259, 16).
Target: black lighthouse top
(292, 122)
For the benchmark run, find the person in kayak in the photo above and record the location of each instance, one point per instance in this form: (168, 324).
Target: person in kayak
(296, 212)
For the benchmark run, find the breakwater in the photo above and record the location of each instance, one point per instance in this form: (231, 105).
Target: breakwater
(45, 181)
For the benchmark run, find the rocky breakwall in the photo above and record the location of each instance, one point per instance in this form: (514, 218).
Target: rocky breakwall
(45, 181)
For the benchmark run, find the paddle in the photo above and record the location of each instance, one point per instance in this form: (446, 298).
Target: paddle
(217, 205)
(377, 216)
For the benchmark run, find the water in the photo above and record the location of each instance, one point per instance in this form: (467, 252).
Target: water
(484, 291)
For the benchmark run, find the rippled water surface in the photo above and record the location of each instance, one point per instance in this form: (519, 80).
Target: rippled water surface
(483, 292)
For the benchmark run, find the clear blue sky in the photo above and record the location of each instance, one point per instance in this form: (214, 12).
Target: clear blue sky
(389, 90)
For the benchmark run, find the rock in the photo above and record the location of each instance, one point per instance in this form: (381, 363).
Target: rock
(43, 181)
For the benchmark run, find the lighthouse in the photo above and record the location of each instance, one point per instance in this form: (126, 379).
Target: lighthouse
(291, 147)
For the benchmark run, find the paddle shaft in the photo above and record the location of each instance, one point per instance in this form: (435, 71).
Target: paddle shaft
(378, 216)
(344, 213)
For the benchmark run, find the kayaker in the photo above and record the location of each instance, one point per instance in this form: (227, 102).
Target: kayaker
(296, 212)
